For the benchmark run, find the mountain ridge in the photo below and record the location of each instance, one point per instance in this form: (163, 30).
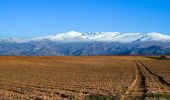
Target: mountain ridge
(89, 43)
(74, 36)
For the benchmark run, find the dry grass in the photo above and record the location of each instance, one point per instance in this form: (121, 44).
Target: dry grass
(64, 77)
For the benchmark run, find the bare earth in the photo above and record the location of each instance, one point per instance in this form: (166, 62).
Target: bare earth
(65, 78)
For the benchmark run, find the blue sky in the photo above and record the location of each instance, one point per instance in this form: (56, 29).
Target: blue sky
(32, 18)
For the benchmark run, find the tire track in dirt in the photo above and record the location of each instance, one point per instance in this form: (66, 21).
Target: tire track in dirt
(161, 79)
(156, 83)
(137, 90)
(145, 82)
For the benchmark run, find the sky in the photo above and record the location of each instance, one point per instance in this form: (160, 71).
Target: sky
(33, 18)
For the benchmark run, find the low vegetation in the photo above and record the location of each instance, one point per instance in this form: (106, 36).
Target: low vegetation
(101, 97)
(158, 95)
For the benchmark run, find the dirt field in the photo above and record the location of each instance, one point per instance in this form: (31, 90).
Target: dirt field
(103, 77)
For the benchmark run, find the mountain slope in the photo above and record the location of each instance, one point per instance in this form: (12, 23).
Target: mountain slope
(73, 36)
(97, 43)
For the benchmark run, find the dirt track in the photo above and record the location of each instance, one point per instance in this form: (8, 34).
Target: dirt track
(146, 82)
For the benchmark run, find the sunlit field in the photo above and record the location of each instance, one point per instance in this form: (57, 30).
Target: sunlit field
(85, 77)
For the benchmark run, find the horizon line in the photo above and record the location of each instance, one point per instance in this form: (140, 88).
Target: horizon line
(23, 35)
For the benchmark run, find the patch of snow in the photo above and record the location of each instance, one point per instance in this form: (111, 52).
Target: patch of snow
(74, 36)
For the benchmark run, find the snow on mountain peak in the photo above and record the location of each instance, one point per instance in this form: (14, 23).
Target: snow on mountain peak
(74, 36)
(61, 36)
(156, 37)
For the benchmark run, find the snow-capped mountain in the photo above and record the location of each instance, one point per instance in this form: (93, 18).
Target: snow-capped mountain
(74, 36)
(89, 43)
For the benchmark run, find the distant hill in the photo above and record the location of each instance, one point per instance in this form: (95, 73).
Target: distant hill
(97, 43)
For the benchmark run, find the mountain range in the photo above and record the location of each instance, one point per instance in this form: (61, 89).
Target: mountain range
(90, 43)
